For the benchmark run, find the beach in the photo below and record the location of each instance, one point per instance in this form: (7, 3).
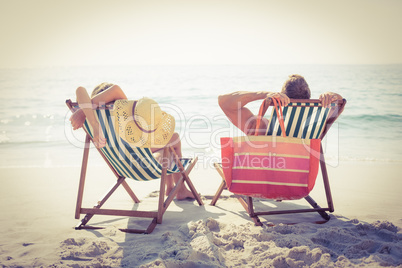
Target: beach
(38, 204)
(184, 55)
(40, 160)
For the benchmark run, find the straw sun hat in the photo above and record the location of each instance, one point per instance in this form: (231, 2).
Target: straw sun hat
(142, 123)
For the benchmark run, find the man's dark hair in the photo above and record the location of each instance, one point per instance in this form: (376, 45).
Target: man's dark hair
(296, 87)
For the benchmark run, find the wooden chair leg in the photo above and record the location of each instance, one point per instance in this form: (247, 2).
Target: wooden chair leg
(243, 203)
(314, 204)
(130, 192)
(249, 207)
(191, 185)
(149, 230)
(100, 203)
(255, 218)
(218, 193)
(82, 177)
(162, 189)
(326, 182)
(185, 175)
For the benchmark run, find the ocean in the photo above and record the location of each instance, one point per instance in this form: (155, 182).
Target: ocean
(35, 129)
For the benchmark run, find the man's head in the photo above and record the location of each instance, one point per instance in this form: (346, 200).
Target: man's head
(296, 87)
(100, 88)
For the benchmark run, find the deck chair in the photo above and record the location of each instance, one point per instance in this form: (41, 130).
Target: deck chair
(129, 162)
(304, 119)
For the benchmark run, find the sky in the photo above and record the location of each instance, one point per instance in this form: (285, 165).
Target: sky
(44, 33)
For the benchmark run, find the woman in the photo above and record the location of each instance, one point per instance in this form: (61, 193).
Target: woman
(105, 93)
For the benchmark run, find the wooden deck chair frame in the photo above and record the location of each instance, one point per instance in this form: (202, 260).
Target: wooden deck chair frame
(163, 203)
(247, 201)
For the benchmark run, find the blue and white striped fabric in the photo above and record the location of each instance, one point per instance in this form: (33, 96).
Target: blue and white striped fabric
(302, 120)
(130, 162)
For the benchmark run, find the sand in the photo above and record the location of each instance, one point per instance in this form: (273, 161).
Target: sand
(37, 219)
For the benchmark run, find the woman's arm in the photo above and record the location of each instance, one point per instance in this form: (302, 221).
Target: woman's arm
(86, 109)
(86, 106)
(111, 94)
(77, 119)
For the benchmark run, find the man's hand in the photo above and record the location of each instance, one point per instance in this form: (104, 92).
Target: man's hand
(279, 96)
(329, 97)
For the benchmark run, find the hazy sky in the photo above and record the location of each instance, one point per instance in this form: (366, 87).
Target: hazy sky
(64, 33)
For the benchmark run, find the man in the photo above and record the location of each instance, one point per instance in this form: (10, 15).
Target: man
(296, 87)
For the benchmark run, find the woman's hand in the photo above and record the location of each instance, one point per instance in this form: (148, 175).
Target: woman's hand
(329, 97)
(279, 96)
(98, 139)
(77, 119)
